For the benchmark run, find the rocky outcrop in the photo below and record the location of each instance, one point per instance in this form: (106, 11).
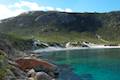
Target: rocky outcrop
(38, 75)
(16, 42)
(7, 48)
(21, 68)
(16, 69)
(9, 69)
(38, 66)
(15, 73)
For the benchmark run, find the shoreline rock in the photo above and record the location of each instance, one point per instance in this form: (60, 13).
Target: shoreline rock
(16, 66)
(38, 66)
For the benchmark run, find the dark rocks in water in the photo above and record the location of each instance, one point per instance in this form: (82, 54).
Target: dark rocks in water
(86, 77)
(66, 73)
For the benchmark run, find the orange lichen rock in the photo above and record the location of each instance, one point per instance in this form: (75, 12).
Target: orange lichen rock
(27, 64)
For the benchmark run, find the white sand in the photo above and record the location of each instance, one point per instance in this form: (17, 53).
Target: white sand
(51, 49)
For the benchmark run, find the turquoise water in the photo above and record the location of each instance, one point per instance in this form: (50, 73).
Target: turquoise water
(87, 64)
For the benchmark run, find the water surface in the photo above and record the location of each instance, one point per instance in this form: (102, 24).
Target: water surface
(87, 64)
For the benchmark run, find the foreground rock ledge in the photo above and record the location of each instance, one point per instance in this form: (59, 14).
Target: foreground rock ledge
(38, 65)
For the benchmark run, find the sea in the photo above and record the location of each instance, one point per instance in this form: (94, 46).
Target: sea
(86, 64)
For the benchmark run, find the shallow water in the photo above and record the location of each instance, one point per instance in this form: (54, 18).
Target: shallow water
(87, 64)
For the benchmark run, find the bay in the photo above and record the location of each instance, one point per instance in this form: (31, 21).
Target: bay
(87, 64)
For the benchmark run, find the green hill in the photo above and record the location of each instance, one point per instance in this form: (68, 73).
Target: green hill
(54, 26)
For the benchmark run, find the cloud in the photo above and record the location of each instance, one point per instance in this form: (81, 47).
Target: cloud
(59, 9)
(68, 10)
(6, 12)
(23, 6)
(29, 5)
(49, 8)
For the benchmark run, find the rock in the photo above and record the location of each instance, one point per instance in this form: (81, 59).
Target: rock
(3, 53)
(19, 74)
(9, 70)
(7, 48)
(55, 44)
(38, 75)
(25, 64)
(43, 76)
(15, 74)
(10, 75)
(31, 78)
(38, 65)
(31, 73)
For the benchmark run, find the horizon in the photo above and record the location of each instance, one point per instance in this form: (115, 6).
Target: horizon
(13, 8)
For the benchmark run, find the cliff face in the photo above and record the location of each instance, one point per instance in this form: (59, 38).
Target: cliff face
(9, 43)
(7, 48)
(107, 25)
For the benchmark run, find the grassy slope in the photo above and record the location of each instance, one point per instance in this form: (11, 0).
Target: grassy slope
(76, 27)
(63, 37)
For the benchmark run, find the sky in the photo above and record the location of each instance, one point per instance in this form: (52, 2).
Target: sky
(10, 8)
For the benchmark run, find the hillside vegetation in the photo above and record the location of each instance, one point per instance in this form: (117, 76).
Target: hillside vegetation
(62, 27)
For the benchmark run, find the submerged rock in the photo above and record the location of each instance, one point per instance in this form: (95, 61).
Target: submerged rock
(86, 77)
